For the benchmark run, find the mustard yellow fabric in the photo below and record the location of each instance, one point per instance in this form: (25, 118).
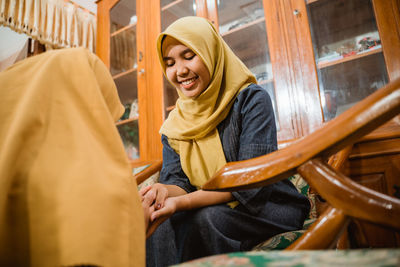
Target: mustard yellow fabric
(66, 192)
(191, 126)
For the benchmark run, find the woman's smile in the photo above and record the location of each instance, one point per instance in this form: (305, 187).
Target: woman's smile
(187, 84)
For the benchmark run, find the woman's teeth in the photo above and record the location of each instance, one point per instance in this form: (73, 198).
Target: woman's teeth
(187, 82)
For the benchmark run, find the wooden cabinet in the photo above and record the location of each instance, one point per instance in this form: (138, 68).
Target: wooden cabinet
(316, 58)
(375, 163)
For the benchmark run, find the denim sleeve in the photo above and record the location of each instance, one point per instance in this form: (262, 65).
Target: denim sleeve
(257, 137)
(171, 171)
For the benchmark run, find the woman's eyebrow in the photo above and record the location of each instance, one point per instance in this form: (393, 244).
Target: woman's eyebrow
(188, 50)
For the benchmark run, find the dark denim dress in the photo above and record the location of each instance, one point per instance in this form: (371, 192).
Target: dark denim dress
(248, 131)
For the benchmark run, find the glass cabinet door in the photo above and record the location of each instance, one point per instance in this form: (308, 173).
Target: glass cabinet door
(242, 26)
(123, 67)
(348, 52)
(172, 10)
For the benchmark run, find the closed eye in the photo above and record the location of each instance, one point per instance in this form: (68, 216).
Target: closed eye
(189, 55)
(169, 62)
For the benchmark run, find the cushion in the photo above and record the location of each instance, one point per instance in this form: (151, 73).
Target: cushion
(356, 257)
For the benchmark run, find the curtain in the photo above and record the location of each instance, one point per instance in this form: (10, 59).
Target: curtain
(56, 23)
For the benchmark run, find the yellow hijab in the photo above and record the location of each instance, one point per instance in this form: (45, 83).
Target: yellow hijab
(67, 196)
(191, 127)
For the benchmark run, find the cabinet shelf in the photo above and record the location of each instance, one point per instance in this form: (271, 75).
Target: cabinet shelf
(122, 122)
(311, 1)
(171, 5)
(265, 81)
(251, 54)
(124, 73)
(247, 25)
(325, 64)
(123, 29)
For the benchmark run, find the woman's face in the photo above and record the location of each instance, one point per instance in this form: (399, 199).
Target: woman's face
(184, 68)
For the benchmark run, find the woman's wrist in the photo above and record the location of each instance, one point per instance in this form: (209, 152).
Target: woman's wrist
(182, 202)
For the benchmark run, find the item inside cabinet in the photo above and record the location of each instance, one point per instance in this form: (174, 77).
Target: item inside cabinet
(129, 133)
(357, 80)
(122, 15)
(172, 10)
(338, 27)
(127, 91)
(348, 52)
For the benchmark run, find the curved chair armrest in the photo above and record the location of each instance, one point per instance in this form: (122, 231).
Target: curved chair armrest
(350, 197)
(342, 131)
(154, 167)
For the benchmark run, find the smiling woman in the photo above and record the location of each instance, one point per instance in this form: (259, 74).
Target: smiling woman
(184, 69)
(221, 115)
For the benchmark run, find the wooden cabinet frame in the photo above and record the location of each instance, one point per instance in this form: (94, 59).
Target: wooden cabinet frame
(291, 53)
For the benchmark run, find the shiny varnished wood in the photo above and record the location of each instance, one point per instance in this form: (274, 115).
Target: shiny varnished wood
(155, 166)
(342, 131)
(388, 20)
(376, 165)
(103, 30)
(345, 199)
(350, 197)
(329, 225)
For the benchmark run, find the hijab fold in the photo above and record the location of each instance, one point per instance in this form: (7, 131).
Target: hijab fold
(191, 126)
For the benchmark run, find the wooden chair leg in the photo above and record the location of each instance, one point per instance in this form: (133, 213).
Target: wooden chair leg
(343, 242)
(323, 233)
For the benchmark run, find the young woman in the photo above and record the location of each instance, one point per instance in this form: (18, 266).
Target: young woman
(221, 116)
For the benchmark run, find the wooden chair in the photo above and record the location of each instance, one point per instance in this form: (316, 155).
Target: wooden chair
(309, 157)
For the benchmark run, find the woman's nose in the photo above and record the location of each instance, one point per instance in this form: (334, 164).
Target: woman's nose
(182, 70)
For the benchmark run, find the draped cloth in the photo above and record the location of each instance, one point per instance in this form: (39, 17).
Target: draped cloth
(57, 23)
(191, 127)
(67, 196)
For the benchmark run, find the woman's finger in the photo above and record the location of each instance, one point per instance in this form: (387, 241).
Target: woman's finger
(162, 194)
(149, 198)
(144, 190)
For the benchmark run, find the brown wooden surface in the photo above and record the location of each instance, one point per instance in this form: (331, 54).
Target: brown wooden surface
(335, 135)
(103, 30)
(151, 94)
(345, 195)
(388, 21)
(338, 160)
(278, 40)
(291, 53)
(155, 166)
(324, 232)
(212, 12)
(305, 88)
(376, 165)
(350, 197)
(201, 8)
(150, 88)
(389, 130)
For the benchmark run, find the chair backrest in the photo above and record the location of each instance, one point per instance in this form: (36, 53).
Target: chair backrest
(308, 157)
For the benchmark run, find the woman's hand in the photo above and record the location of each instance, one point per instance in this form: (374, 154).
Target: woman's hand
(156, 193)
(157, 217)
(147, 206)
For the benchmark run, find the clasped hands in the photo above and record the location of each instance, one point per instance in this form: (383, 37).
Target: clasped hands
(157, 206)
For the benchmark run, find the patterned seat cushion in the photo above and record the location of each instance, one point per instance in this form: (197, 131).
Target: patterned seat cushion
(354, 258)
(283, 240)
